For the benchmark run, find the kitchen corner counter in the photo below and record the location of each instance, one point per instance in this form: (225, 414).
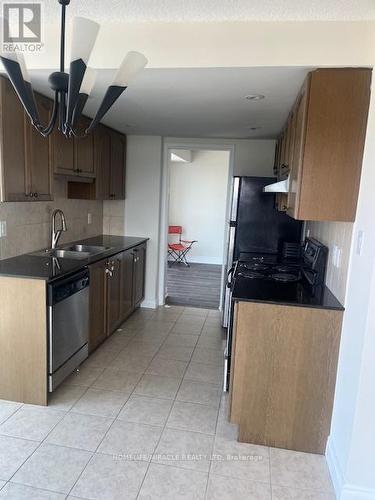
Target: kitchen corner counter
(51, 268)
(288, 294)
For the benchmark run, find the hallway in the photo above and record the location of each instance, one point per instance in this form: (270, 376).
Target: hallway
(194, 286)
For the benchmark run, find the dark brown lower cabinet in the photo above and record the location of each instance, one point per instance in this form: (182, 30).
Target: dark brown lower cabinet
(127, 280)
(139, 274)
(116, 289)
(98, 304)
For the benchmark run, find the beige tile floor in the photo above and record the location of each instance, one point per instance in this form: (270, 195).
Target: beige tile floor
(145, 418)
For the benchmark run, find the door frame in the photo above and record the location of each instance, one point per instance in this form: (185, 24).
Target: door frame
(164, 209)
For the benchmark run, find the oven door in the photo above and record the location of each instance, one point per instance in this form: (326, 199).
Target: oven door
(228, 344)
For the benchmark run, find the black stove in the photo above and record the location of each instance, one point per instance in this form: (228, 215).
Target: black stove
(269, 272)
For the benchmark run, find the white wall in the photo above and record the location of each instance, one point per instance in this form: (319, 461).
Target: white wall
(351, 444)
(142, 204)
(197, 202)
(251, 156)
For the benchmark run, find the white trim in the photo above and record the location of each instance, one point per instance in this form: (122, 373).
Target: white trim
(201, 259)
(149, 304)
(334, 467)
(352, 492)
(164, 208)
(344, 491)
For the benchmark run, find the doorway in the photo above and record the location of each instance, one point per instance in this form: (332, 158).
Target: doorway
(196, 192)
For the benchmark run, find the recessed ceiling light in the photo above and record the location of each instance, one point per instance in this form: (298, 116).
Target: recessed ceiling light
(254, 97)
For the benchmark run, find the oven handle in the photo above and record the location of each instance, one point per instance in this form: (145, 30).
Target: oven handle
(229, 277)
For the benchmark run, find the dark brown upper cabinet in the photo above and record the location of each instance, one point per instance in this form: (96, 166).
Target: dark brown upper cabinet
(25, 155)
(117, 166)
(62, 154)
(84, 151)
(37, 157)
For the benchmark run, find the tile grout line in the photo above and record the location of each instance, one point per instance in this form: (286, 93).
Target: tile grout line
(166, 420)
(131, 393)
(115, 416)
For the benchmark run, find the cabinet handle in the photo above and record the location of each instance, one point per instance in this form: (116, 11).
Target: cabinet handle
(36, 195)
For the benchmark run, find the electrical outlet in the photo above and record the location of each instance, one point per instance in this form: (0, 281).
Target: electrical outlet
(3, 228)
(89, 218)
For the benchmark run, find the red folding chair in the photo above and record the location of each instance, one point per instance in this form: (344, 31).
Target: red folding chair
(178, 251)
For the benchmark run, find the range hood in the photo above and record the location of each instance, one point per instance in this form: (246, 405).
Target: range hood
(277, 187)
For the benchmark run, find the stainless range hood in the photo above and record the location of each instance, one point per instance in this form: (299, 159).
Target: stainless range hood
(277, 187)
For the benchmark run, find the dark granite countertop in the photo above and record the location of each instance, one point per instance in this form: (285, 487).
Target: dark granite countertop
(51, 268)
(290, 294)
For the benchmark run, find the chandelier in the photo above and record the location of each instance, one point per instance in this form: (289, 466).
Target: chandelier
(71, 90)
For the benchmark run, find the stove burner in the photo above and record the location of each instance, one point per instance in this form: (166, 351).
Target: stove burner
(255, 267)
(285, 269)
(286, 277)
(251, 275)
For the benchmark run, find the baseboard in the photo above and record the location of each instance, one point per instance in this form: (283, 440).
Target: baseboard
(202, 260)
(334, 467)
(352, 492)
(149, 304)
(344, 491)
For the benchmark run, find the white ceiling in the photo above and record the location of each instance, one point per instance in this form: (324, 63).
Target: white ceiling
(204, 102)
(216, 10)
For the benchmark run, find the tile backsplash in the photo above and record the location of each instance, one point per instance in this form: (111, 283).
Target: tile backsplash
(114, 217)
(331, 234)
(29, 224)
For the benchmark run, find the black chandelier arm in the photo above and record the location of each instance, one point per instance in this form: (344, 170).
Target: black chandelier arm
(46, 131)
(77, 113)
(110, 97)
(22, 88)
(76, 73)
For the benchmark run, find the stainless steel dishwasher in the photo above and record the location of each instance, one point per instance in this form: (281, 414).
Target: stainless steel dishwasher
(68, 326)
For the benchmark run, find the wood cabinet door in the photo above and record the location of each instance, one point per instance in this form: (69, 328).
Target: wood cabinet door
(38, 164)
(102, 159)
(98, 304)
(295, 175)
(114, 294)
(12, 164)
(84, 151)
(127, 279)
(139, 274)
(118, 162)
(62, 153)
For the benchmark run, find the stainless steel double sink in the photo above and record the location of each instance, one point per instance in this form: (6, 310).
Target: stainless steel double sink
(71, 251)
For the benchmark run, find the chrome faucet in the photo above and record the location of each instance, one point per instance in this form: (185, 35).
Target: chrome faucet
(56, 233)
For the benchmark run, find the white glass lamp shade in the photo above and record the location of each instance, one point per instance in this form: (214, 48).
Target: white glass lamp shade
(88, 81)
(131, 66)
(84, 35)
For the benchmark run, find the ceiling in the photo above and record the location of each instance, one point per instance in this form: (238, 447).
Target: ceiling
(216, 10)
(201, 102)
